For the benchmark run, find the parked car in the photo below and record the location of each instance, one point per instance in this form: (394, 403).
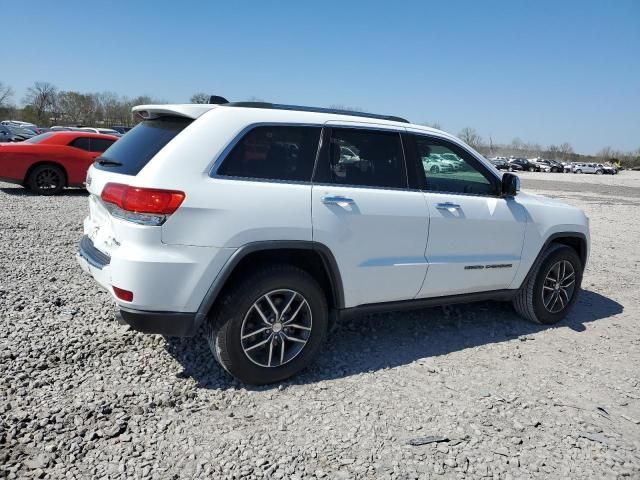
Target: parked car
(607, 169)
(18, 134)
(104, 131)
(121, 128)
(49, 162)
(505, 165)
(17, 123)
(178, 249)
(6, 135)
(526, 164)
(588, 168)
(552, 165)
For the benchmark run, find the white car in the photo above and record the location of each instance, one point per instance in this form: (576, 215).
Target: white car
(246, 219)
(104, 131)
(588, 168)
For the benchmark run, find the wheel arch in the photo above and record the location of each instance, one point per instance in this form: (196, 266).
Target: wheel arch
(313, 257)
(46, 162)
(575, 240)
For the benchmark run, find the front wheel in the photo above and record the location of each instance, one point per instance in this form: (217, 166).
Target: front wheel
(46, 180)
(552, 287)
(531, 169)
(270, 325)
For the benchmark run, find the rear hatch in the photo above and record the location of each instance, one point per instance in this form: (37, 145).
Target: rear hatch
(106, 225)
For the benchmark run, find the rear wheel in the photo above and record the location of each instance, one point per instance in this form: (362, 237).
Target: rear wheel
(598, 172)
(46, 180)
(551, 289)
(578, 171)
(434, 169)
(270, 325)
(531, 169)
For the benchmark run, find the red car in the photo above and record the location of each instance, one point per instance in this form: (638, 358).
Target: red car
(49, 162)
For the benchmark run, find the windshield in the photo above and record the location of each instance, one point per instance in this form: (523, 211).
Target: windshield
(133, 151)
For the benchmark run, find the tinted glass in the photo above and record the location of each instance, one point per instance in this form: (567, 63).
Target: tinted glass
(133, 151)
(277, 153)
(448, 168)
(364, 158)
(100, 144)
(82, 143)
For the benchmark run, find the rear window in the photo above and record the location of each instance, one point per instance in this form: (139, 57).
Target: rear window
(132, 152)
(38, 138)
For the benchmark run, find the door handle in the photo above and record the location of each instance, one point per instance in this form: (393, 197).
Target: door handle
(447, 206)
(337, 200)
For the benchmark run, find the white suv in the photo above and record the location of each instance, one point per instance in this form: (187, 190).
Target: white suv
(265, 223)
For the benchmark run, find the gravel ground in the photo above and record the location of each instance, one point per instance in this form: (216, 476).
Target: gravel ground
(84, 397)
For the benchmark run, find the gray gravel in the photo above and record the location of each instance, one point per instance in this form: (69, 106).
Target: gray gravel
(457, 392)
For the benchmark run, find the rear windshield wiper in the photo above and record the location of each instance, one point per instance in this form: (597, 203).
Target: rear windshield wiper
(106, 162)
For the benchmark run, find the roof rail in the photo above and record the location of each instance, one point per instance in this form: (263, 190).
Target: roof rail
(299, 108)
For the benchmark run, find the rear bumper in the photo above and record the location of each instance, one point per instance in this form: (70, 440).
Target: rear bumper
(172, 324)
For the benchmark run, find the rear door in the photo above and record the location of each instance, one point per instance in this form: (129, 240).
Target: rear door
(363, 210)
(475, 235)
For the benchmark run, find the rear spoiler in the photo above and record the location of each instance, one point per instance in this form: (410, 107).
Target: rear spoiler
(192, 111)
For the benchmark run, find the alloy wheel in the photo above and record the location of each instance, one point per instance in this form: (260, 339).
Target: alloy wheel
(276, 328)
(48, 179)
(558, 286)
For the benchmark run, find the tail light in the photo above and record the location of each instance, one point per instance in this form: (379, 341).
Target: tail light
(146, 206)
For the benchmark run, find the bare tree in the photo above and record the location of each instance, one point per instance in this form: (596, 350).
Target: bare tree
(565, 150)
(6, 94)
(469, 136)
(200, 97)
(79, 108)
(42, 98)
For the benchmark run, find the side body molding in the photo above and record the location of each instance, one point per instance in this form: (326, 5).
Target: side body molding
(328, 261)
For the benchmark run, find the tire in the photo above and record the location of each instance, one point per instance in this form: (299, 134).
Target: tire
(530, 301)
(598, 172)
(229, 329)
(578, 171)
(531, 169)
(434, 169)
(46, 180)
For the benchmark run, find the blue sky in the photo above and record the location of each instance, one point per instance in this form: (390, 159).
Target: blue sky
(543, 71)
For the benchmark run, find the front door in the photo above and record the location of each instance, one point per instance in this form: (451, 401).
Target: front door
(363, 211)
(475, 235)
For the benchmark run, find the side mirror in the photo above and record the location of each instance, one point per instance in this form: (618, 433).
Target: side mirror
(510, 185)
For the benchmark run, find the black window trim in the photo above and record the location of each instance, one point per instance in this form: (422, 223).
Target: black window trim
(326, 141)
(495, 181)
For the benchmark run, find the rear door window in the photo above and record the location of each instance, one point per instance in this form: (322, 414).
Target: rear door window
(359, 157)
(274, 153)
(132, 152)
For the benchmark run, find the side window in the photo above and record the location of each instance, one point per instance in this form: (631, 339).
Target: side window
(360, 157)
(273, 152)
(81, 142)
(100, 144)
(448, 168)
